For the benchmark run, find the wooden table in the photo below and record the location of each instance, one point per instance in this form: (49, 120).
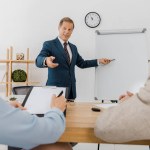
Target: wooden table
(80, 120)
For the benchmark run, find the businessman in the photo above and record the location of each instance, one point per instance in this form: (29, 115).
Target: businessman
(128, 121)
(20, 129)
(61, 56)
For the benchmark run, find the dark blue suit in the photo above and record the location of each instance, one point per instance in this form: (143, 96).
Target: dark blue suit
(64, 74)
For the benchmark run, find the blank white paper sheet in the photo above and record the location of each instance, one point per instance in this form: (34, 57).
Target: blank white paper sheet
(39, 99)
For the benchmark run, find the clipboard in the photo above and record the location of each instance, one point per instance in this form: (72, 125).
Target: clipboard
(38, 99)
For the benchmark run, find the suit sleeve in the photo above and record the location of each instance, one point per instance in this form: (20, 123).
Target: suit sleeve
(20, 129)
(45, 52)
(128, 121)
(81, 63)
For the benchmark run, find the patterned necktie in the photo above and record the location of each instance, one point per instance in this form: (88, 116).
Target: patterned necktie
(67, 54)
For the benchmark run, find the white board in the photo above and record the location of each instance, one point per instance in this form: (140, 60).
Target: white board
(129, 71)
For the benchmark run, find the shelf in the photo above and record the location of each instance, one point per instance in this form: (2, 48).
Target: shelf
(23, 82)
(17, 61)
(22, 61)
(9, 61)
(4, 61)
(4, 82)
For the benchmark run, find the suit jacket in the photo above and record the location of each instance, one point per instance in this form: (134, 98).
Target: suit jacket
(64, 74)
(128, 121)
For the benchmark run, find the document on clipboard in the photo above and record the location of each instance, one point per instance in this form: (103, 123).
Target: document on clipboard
(38, 100)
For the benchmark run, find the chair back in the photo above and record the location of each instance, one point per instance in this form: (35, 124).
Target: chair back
(21, 90)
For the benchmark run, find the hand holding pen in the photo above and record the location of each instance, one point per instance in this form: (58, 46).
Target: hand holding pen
(105, 61)
(59, 102)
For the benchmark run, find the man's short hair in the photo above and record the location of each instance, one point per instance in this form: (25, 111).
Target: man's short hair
(66, 19)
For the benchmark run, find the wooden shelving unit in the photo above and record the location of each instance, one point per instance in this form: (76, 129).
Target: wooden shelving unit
(9, 69)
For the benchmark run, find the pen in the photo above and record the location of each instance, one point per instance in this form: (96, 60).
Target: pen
(70, 100)
(60, 93)
(113, 59)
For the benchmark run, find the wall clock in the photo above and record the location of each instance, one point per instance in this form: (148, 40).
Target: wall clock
(92, 19)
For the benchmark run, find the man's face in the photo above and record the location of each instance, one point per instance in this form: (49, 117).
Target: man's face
(65, 31)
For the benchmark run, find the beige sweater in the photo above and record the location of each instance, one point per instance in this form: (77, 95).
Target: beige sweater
(128, 121)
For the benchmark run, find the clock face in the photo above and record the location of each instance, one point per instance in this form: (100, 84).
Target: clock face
(92, 19)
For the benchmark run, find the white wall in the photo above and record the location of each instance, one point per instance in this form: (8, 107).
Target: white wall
(28, 23)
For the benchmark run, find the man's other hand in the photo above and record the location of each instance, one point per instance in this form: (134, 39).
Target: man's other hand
(50, 63)
(125, 96)
(104, 61)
